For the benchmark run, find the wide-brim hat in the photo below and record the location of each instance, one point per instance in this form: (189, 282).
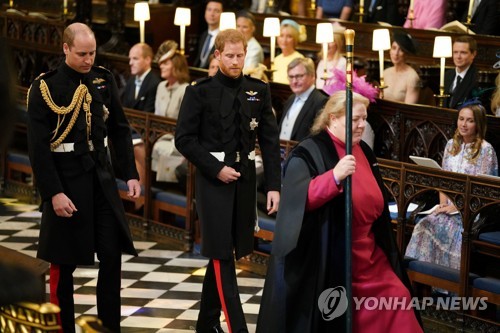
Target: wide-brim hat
(166, 51)
(405, 42)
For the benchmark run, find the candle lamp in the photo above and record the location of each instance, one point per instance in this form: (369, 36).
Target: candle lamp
(182, 19)
(381, 42)
(411, 14)
(442, 49)
(11, 3)
(324, 35)
(227, 21)
(65, 8)
(141, 14)
(272, 30)
(361, 12)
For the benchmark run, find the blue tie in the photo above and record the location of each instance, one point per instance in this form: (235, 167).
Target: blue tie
(206, 50)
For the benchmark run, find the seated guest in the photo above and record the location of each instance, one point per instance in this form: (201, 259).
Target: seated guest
(485, 17)
(437, 238)
(427, 15)
(462, 80)
(403, 83)
(245, 23)
(383, 11)
(140, 94)
(341, 9)
(213, 9)
(175, 71)
(291, 35)
(304, 104)
(334, 57)
(140, 90)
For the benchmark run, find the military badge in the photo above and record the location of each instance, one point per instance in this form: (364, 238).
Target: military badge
(254, 124)
(98, 80)
(252, 96)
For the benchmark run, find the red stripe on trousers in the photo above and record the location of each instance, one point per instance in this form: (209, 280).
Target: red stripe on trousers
(218, 279)
(55, 274)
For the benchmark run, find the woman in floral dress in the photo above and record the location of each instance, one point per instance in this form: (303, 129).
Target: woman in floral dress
(438, 237)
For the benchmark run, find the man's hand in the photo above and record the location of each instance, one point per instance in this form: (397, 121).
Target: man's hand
(134, 188)
(273, 201)
(62, 205)
(228, 174)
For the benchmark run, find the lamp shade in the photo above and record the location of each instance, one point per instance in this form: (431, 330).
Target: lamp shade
(381, 40)
(182, 16)
(442, 47)
(227, 21)
(141, 11)
(271, 27)
(324, 33)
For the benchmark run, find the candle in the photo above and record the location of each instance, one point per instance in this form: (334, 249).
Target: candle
(361, 3)
(381, 64)
(141, 30)
(411, 5)
(273, 47)
(471, 5)
(325, 51)
(441, 76)
(65, 4)
(11, 3)
(183, 33)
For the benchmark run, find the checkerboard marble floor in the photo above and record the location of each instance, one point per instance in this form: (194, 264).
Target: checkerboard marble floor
(161, 287)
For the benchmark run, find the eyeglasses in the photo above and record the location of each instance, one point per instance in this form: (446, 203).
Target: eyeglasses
(298, 77)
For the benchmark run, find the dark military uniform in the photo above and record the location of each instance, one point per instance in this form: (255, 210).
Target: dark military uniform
(80, 168)
(219, 121)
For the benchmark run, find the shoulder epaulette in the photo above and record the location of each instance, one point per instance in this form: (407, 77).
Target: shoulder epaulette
(102, 69)
(46, 75)
(202, 80)
(254, 79)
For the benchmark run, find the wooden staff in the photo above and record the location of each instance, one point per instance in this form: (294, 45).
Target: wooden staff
(349, 39)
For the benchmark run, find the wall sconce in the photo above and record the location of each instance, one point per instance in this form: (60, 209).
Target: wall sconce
(182, 19)
(272, 29)
(227, 21)
(141, 14)
(442, 49)
(324, 35)
(381, 42)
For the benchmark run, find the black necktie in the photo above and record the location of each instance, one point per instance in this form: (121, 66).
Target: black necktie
(459, 79)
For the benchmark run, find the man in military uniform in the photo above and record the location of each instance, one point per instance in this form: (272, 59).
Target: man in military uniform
(73, 112)
(219, 121)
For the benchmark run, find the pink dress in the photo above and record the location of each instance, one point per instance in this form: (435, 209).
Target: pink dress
(372, 275)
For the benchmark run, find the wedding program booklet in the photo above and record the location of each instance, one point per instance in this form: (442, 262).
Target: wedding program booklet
(425, 161)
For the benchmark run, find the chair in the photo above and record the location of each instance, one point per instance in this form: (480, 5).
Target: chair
(29, 317)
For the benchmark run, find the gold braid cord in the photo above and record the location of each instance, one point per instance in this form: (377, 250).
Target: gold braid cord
(80, 97)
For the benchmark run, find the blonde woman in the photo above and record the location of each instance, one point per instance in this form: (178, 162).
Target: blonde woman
(291, 35)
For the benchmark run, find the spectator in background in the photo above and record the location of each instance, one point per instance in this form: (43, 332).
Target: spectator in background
(403, 82)
(245, 23)
(437, 238)
(341, 9)
(334, 57)
(301, 108)
(213, 10)
(175, 72)
(462, 80)
(140, 90)
(427, 15)
(485, 17)
(291, 35)
(384, 11)
(174, 69)
(140, 94)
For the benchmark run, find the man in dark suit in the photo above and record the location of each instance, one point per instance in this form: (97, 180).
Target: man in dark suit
(384, 11)
(219, 121)
(301, 108)
(485, 17)
(140, 91)
(73, 112)
(460, 82)
(213, 10)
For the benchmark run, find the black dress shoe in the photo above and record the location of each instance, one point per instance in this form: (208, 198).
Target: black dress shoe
(216, 329)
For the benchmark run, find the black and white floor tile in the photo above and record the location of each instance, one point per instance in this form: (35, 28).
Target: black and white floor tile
(161, 287)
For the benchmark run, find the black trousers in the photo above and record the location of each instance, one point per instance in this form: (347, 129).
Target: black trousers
(108, 249)
(220, 292)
